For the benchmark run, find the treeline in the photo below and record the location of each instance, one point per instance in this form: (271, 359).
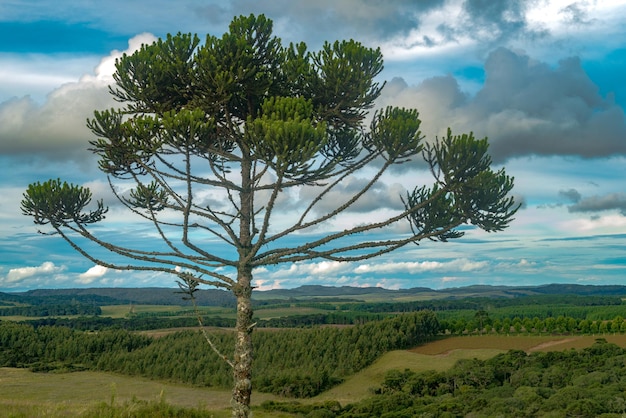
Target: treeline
(47, 348)
(544, 302)
(119, 296)
(285, 362)
(52, 310)
(483, 324)
(145, 322)
(592, 308)
(331, 318)
(139, 323)
(577, 383)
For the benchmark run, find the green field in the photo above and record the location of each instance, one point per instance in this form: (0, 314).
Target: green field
(122, 311)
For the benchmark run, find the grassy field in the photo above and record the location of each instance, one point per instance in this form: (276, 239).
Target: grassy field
(70, 394)
(122, 311)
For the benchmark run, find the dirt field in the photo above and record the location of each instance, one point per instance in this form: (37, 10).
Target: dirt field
(515, 342)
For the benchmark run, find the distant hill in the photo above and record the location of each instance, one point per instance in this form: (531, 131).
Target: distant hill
(214, 297)
(120, 296)
(375, 293)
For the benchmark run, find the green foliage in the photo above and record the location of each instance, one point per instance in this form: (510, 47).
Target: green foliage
(574, 383)
(585, 383)
(285, 137)
(156, 77)
(396, 132)
(284, 360)
(59, 347)
(466, 190)
(59, 203)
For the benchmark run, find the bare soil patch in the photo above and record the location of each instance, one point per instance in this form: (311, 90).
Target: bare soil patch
(528, 343)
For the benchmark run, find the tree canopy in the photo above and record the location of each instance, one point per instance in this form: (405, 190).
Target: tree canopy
(214, 139)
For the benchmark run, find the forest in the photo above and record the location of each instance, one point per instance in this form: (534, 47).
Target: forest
(576, 383)
(349, 333)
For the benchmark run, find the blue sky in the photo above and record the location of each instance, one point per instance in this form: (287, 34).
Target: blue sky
(543, 79)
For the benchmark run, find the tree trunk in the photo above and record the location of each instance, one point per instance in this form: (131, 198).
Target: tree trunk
(242, 386)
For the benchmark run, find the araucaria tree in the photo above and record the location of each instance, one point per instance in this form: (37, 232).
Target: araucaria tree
(216, 137)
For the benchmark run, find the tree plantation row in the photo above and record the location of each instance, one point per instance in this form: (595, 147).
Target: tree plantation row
(559, 325)
(285, 362)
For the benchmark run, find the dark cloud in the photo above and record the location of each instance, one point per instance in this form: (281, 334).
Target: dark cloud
(572, 195)
(525, 107)
(496, 20)
(364, 20)
(612, 201)
(56, 129)
(531, 108)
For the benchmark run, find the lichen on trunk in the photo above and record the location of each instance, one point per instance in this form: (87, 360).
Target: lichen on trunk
(242, 371)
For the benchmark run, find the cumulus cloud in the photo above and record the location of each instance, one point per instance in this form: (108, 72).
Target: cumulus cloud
(335, 273)
(525, 107)
(45, 269)
(57, 128)
(92, 274)
(320, 269)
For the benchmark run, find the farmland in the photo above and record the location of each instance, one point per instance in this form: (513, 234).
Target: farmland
(73, 394)
(84, 370)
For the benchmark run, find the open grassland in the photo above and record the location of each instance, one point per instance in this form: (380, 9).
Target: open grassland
(73, 394)
(28, 394)
(269, 313)
(123, 311)
(359, 386)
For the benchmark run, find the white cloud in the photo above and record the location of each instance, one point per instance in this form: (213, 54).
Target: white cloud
(104, 71)
(602, 224)
(417, 267)
(38, 74)
(320, 270)
(45, 269)
(263, 285)
(92, 274)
